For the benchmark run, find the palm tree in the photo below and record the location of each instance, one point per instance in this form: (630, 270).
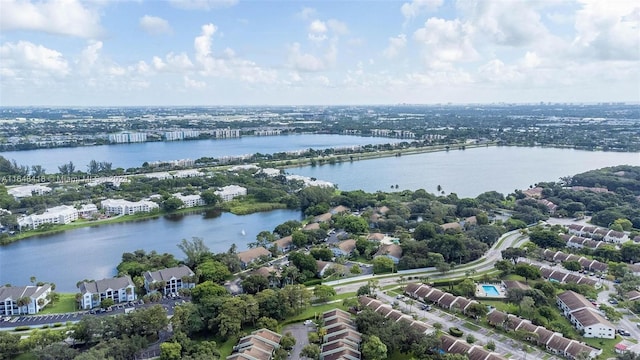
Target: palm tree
(23, 301)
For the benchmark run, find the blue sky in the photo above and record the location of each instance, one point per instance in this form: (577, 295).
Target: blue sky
(234, 52)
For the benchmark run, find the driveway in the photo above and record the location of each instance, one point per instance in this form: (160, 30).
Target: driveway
(299, 331)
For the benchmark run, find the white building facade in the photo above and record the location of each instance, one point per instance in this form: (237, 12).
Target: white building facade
(228, 193)
(120, 289)
(62, 214)
(124, 207)
(34, 298)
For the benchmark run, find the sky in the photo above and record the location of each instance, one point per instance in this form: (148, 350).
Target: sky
(329, 52)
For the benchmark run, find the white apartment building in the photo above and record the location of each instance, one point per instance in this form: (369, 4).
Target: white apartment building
(28, 190)
(190, 200)
(36, 297)
(119, 289)
(127, 137)
(226, 133)
(124, 207)
(227, 193)
(584, 316)
(174, 279)
(62, 214)
(181, 135)
(86, 210)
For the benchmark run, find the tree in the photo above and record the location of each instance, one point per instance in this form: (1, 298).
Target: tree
(572, 265)
(210, 198)
(212, 270)
(311, 351)
(255, 283)
(170, 351)
(194, 250)
(625, 224)
(207, 290)
(527, 306)
(527, 271)
(67, 169)
(9, 345)
(382, 264)
(287, 228)
(467, 287)
(268, 323)
(424, 231)
(288, 341)
(355, 269)
(513, 254)
(471, 339)
(322, 253)
(172, 204)
(374, 349)
(476, 310)
(443, 267)
(546, 239)
(324, 292)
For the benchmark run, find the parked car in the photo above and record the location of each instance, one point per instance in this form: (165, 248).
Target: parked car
(426, 307)
(624, 332)
(613, 302)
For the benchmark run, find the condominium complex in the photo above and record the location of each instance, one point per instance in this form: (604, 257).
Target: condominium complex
(227, 193)
(62, 214)
(181, 135)
(124, 207)
(127, 137)
(28, 190)
(190, 200)
(119, 289)
(18, 300)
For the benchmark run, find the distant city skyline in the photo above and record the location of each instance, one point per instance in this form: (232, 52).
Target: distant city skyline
(230, 52)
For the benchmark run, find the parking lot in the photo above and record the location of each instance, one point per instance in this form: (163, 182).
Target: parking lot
(50, 319)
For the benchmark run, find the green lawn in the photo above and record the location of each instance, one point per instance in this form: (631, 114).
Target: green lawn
(226, 348)
(501, 305)
(26, 356)
(471, 326)
(605, 344)
(67, 303)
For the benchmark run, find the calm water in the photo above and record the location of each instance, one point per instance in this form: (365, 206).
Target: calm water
(467, 173)
(134, 155)
(93, 253)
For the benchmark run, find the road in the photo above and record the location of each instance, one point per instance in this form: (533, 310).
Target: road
(509, 239)
(49, 319)
(504, 345)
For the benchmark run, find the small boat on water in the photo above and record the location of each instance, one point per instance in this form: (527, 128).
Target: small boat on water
(243, 233)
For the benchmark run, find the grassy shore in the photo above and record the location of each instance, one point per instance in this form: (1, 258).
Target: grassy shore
(67, 303)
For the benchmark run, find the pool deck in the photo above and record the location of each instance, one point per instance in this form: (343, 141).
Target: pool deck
(481, 293)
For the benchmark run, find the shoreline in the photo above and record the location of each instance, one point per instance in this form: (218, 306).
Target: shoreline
(279, 164)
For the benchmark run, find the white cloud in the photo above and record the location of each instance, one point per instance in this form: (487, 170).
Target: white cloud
(446, 40)
(608, 30)
(155, 25)
(202, 43)
(414, 8)
(511, 23)
(317, 31)
(25, 58)
(193, 84)
(61, 17)
(307, 13)
(202, 4)
(338, 27)
(302, 61)
(396, 44)
(90, 55)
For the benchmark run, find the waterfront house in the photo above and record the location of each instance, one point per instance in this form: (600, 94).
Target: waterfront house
(18, 300)
(251, 255)
(190, 200)
(230, 192)
(118, 289)
(62, 214)
(87, 210)
(284, 244)
(174, 279)
(124, 207)
(584, 316)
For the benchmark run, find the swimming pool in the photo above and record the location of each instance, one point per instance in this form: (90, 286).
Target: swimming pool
(490, 290)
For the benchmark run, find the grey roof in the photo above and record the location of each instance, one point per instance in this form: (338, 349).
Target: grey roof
(100, 286)
(16, 292)
(167, 274)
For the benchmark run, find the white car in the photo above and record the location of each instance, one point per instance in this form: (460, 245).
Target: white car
(308, 322)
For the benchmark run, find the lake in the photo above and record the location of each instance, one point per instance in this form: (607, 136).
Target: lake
(467, 173)
(94, 252)
(135, 154)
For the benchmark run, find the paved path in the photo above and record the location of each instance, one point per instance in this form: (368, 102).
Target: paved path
(300, 332)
